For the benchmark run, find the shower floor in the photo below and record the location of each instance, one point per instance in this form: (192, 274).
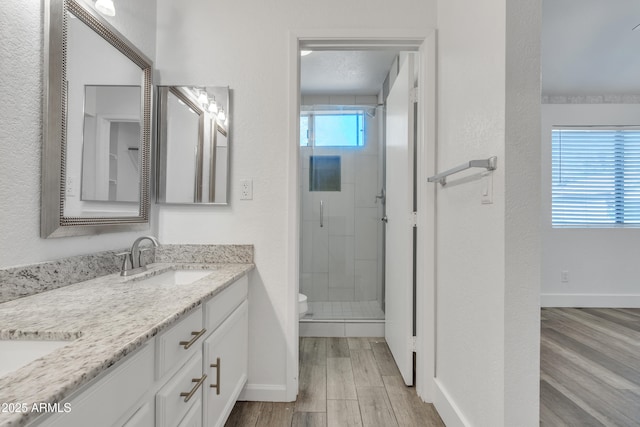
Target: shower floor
(344, 310)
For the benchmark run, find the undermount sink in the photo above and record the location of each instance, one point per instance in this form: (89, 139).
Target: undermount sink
(177, 277)
(14, 354)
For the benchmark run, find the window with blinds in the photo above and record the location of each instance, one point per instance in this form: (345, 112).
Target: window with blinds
(595, 177)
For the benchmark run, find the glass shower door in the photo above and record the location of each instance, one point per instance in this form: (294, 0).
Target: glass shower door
(340, 217)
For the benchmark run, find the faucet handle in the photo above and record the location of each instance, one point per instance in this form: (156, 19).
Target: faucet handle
(127, 263)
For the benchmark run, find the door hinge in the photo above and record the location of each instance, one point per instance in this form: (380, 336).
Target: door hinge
(413, 344)
(414, 219)
(413, 95)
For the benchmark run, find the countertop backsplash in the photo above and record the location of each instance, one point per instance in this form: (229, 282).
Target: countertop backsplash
(21, 281)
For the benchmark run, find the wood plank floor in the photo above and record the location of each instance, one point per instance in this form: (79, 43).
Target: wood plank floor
(344, 382)
(590, 367)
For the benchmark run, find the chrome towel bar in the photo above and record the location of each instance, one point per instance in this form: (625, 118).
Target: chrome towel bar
(489, 164)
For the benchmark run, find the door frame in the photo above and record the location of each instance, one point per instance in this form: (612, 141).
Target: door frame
(423, 41)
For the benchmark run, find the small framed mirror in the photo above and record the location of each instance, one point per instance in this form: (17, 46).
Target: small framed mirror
(97, 126)
(193, 145)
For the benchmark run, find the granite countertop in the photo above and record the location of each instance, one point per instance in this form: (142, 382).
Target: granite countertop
(104, 319)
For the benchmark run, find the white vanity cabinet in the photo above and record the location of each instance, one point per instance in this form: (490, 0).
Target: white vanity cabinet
(170, 381)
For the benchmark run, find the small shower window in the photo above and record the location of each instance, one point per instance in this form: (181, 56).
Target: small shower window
(324, 173)
(332, 129)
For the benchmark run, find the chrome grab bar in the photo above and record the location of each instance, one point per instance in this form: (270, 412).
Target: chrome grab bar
(321, 214)
(489, 164)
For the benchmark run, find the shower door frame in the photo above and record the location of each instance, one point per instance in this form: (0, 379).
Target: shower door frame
(425, 43)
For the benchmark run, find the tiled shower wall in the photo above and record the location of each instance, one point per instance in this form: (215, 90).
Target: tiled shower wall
(341, 261)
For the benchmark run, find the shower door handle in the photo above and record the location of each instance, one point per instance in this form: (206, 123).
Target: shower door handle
(321, 214)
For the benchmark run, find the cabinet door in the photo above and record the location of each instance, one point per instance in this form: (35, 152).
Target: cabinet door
(111, 396)
(225, 362)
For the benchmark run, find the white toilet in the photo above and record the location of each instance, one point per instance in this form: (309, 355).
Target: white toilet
(303, 307)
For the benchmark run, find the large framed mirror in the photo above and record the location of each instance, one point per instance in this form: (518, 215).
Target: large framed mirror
(97, 126)
(193, 145)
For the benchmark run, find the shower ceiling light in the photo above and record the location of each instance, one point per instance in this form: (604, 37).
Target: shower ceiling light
(106, 7)
(305, 52)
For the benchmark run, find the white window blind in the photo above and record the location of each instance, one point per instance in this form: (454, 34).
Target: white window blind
(595, 177)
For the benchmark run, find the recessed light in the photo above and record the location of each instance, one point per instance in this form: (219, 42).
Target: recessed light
(305, 52)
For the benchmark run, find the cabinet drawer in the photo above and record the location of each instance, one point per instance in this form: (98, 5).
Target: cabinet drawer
(104, 402)
(194, 416)
(169, 352)
(170, 404)
(222, 305)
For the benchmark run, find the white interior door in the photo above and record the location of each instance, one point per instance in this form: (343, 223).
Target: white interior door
(399, 227)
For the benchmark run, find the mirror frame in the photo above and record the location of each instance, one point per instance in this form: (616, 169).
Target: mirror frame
(163, 92)
(161, 146)
(53, 222)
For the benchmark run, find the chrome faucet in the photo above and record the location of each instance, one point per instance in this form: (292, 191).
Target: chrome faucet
(133, 262)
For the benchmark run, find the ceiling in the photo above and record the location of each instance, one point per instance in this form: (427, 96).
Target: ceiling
(344, 72)
(589, 47)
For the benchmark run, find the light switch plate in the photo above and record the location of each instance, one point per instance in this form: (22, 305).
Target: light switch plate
(246, 189)
(486, 188)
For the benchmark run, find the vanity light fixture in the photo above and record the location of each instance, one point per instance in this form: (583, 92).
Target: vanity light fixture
(106, 7)
(222, 116)
(305, 52)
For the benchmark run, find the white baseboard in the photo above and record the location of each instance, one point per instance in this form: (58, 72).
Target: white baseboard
(590, 300)
(264, 393)
(446, 407)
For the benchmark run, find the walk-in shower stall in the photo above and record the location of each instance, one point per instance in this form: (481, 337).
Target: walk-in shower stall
(342, 204)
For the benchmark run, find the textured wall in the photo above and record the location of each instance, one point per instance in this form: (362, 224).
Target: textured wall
(21, 88)
(487, 255)
(247, 49)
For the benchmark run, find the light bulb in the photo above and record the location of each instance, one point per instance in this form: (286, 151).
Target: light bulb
(213, 107)
(106, 7)
(203, 99)
(221, 115)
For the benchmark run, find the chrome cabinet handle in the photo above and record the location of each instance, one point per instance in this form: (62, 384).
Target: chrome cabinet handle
(196, 335)
(321, 214)
(217, 384)
(199, 381)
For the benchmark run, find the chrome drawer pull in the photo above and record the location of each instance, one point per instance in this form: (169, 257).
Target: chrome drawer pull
(195, 388)
(217, 384)
(196, 335)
